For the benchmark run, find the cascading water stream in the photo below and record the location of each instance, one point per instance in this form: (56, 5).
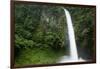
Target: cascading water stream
(72, 42)
(73, 57)
(72, 48)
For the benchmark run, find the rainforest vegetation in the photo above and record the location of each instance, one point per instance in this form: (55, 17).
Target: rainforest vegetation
(40, 33)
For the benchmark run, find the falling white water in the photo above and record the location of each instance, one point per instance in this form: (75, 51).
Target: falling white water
(73, 48)
(73, 57)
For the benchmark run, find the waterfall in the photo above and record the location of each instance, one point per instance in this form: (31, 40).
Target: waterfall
(73, 55)
(73, 48)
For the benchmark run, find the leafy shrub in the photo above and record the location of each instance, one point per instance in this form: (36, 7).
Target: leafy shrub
(53, 40)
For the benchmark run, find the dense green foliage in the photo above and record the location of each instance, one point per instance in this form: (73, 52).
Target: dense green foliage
(40, 32)
(84, 25)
